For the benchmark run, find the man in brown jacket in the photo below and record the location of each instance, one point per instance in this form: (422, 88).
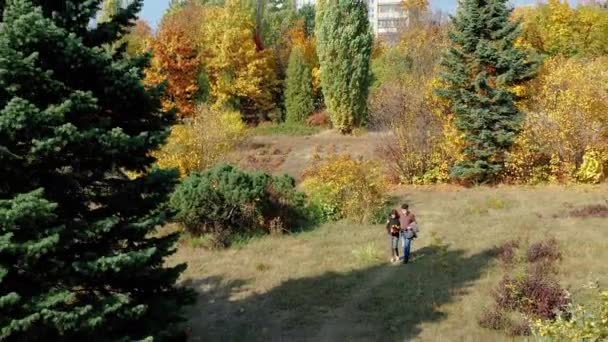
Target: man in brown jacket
(408, 223)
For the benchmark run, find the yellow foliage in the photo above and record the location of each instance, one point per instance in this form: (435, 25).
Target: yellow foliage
(420, 5)
(240, 76)
(583, 325)
(565, 117)
(574, 99)
(452, 143)
(346, 188)
(297, 37)
(558, 35)
(594, 168)
(201, 142)
(556, 28)
(316, 82)
(138, 39)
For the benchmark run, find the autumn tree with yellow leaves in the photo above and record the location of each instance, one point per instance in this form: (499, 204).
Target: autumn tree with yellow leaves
(240, 75)
(555, 28)
(139, 38)
(565, 135)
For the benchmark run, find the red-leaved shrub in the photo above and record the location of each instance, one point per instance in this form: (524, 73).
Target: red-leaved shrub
(544, 250)
(319, 119)
(535, 295)
(493, 319)
(533, 291)
(506, 252)
(521, 328)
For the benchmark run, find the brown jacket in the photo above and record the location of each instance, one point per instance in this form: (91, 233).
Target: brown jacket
(407, 219)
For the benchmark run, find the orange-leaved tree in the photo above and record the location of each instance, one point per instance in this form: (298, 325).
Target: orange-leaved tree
(297, 37)
(176, 59)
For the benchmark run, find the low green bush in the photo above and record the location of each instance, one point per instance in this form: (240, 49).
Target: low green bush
(227, 202)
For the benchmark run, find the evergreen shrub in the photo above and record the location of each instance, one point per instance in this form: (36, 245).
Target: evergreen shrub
(225, 201)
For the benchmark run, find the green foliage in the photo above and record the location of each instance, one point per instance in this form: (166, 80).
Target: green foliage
(344, 46)
(276, 22)
(298, 92)
(380, 215)
(391, 65)
(78, 257)
(307, 13)
(226, 201)
(481, 67)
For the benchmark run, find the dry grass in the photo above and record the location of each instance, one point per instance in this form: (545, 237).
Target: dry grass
(279, 154)
(333, 283)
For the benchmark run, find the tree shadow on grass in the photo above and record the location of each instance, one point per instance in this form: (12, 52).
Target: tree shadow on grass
(377, 303)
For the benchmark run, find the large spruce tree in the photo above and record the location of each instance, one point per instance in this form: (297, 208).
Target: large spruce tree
(482, 66)
(344, 45)
(78, 257)
(298, 89)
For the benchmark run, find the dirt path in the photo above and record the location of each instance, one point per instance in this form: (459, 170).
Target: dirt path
(341, 324)
(292, 154)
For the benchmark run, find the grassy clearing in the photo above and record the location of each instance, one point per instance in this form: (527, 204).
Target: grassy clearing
(265, 129)
(334, 284)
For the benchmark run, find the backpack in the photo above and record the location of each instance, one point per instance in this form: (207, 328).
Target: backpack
(414, 227)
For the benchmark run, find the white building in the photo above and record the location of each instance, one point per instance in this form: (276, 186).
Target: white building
(300, 3)
(386, 17)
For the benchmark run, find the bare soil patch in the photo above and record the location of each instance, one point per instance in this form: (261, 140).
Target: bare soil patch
(292, 154)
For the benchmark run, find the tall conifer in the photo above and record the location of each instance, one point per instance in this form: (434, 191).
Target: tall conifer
(344, 45)
(482, 66)
(78, 260)
(298, 90)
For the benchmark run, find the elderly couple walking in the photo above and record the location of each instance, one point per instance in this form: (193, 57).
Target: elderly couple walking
(401, 226)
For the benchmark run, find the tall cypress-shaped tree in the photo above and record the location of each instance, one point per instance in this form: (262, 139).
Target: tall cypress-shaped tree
(482, 66)
(344, 45)
(78, 260)
(298, 90)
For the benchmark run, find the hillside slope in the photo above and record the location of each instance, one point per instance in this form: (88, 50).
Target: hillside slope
(292, 154)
